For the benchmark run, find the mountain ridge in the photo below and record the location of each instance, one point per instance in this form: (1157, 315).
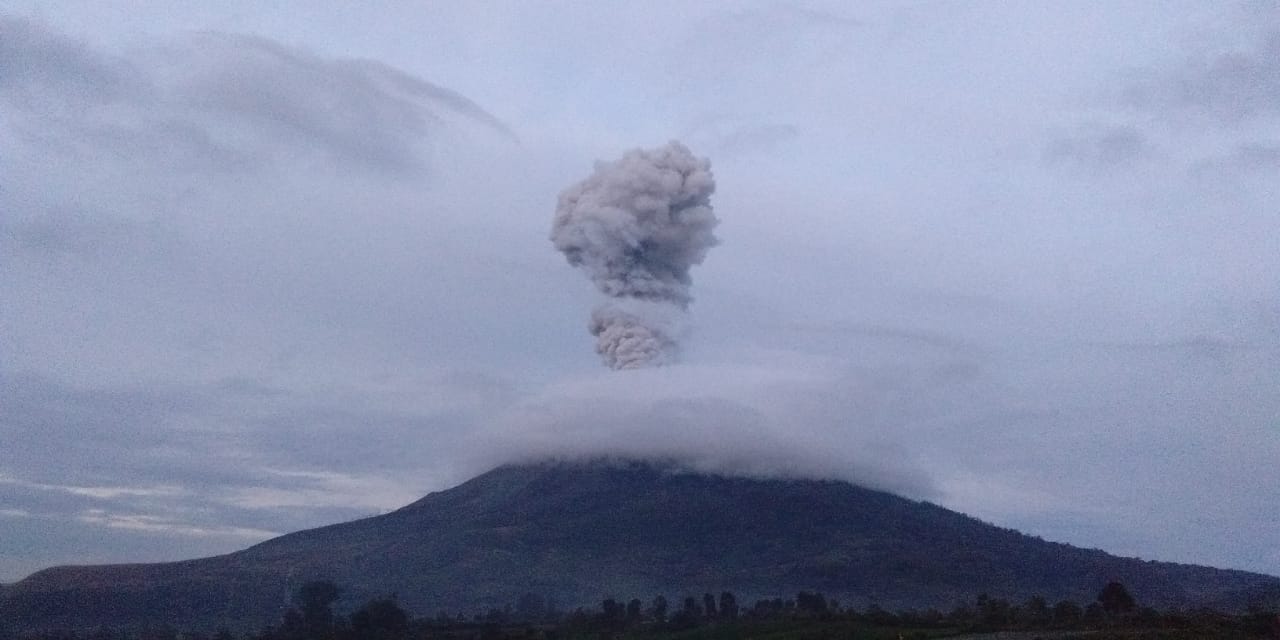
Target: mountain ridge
(579, 532)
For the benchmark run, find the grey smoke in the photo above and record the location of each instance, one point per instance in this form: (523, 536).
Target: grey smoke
(629, 340)
(636, 226)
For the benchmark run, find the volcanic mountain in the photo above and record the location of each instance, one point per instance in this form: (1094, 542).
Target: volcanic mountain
(583, 531)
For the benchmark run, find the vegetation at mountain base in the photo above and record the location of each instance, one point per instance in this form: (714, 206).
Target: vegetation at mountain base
(809, 615)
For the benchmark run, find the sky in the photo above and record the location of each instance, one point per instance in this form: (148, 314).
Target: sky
(268, 266)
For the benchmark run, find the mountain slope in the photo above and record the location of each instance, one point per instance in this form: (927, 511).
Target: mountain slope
(579, 532)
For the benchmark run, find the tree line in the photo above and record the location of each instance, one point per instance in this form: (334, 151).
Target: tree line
(535, 617)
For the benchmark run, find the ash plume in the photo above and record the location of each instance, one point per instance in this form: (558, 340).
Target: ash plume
(636, 226)
(629, 340)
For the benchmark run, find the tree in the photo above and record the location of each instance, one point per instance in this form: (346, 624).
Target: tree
(691, 607)
(1067, 612)
(877, 615)
(689, 616)
(316, 599)
(614, 611)
(1093, 613)
(291, 626)
(728, 605)
(1261, 622)
(811, 602)
(961, 615)
(381, 617)
(1115, 599)
(531, 607)
(709, 605)
(1036, 611)
(993, 613)
(634, 611)
(659, 610)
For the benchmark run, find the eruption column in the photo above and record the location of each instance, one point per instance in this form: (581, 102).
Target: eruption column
(636, 226)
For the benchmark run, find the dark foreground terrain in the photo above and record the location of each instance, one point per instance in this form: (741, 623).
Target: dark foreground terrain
(807, 616)
(569, 533)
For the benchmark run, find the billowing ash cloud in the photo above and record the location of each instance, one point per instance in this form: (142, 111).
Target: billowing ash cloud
(636, 226)
(627, 339)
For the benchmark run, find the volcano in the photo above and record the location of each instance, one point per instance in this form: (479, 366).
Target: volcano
(579, 532)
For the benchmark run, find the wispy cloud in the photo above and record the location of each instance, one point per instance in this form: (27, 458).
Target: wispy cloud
(1101, 148)
(103, 493)
(325, 489)
(158, 524)
(1228, 86)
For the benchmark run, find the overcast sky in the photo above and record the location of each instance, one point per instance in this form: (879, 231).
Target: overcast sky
(267, 266)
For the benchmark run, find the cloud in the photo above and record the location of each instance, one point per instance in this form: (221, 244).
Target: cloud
(62, 233)
(1230, 74)
(1259, 158)
(155, 524)
(324, 489)
(1100, 147)
(725, 137)
(104, 493)
(724, 41)
(1230, 86)
(229, 177)
(901, 336)
(742, 418)
(200, 236)
(226, 102)
(44, 67)
(354, 112)
(222, 463)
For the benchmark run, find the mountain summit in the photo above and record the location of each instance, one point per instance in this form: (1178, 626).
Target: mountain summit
(578, 532)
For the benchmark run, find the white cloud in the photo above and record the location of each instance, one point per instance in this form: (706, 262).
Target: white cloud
(104, 493)
(326, 489)
(161, 525)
